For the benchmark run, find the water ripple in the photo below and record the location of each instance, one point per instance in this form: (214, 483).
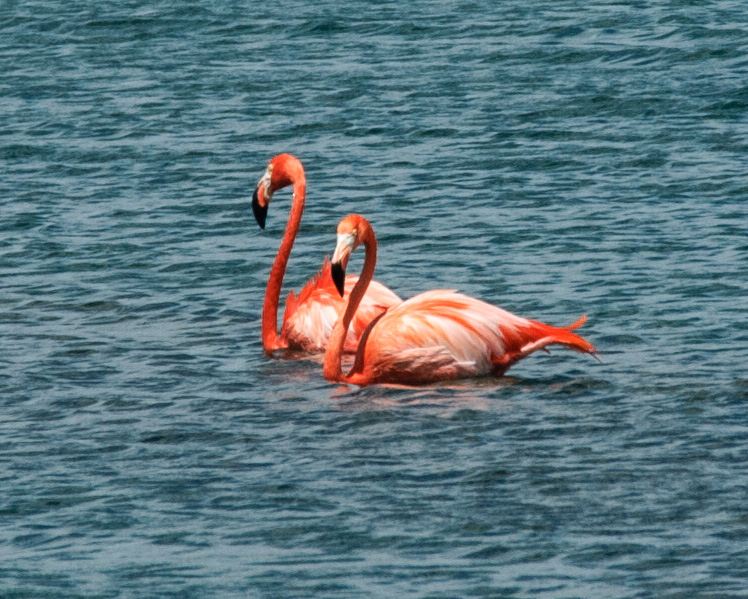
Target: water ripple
(551, 159)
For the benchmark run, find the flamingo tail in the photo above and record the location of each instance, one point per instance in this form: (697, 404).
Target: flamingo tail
(564, 336)
(536, 335)
(540, 335)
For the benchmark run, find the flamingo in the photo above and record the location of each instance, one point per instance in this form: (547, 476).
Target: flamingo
(435, 336)
(309, 317)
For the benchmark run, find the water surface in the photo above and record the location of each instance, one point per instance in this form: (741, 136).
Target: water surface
(555, 158)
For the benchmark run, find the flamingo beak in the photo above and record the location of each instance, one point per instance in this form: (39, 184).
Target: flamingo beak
(346, 244)
(262, 196)
(338, 277)
(260, 209)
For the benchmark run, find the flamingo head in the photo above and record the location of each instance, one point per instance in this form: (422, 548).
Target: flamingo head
(281, 171)
(350, 234)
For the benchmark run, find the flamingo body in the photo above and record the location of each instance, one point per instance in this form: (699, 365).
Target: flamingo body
(441, 335)
(309, 317)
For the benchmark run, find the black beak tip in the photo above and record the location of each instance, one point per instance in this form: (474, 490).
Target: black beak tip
(260, 212)
(338, 277)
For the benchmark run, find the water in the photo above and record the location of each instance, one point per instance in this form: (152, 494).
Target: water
(555, 158)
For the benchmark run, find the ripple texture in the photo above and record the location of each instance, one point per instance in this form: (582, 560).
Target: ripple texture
(554, 158)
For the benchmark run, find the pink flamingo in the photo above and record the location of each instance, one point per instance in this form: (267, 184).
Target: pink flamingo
(435, 336)
(309, 317)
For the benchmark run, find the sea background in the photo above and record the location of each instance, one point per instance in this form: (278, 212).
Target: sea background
(556, 158)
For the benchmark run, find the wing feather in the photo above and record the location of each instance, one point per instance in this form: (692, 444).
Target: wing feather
(310, 317)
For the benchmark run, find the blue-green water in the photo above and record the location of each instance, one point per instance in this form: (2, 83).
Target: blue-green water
(555, 158)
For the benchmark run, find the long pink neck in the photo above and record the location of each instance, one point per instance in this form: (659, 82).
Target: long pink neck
(332, 369)
(270, 338)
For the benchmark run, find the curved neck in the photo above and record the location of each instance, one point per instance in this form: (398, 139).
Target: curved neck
(270, 338)
(332, 369)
